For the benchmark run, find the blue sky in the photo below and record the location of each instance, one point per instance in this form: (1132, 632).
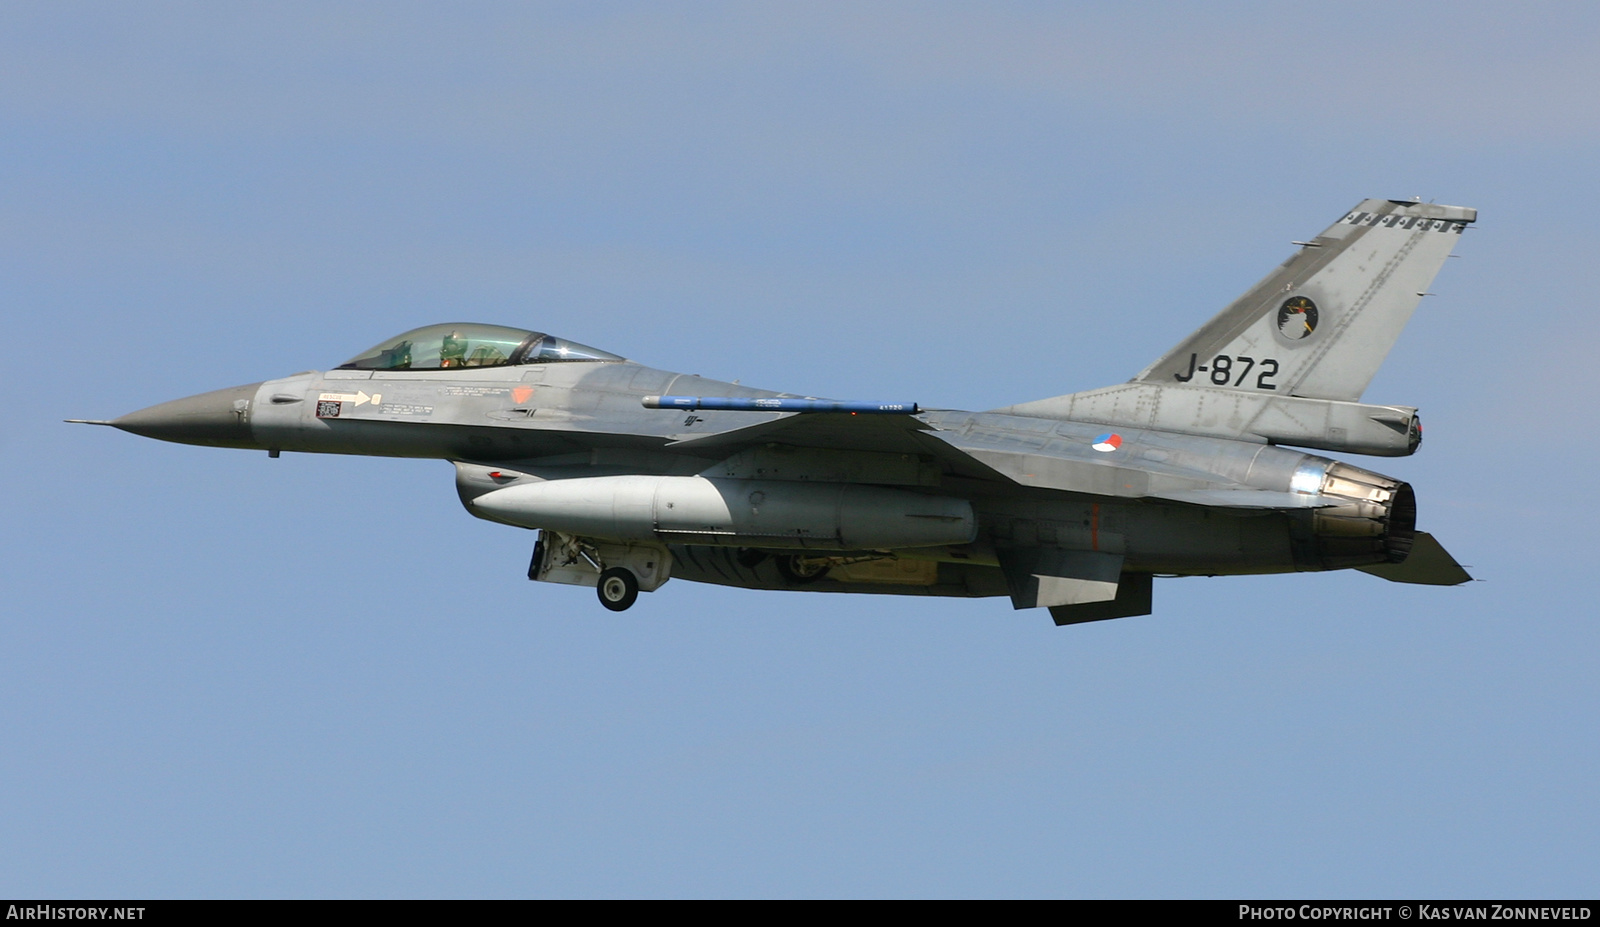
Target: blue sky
(223, 675)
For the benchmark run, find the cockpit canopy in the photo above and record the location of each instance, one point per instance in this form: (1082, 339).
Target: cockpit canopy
(469, 344)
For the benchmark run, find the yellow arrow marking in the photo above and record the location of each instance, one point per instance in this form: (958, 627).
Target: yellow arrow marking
(357, 398)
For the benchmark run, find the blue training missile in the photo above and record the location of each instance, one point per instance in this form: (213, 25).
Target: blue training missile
(732, 404)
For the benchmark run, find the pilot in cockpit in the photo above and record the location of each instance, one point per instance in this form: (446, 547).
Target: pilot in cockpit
(453, 350)
(456, 345)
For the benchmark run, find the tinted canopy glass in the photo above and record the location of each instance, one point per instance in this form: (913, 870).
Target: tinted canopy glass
(469, 344)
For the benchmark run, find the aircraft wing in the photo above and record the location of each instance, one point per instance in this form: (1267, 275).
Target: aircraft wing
(906, 434)
(842, 431)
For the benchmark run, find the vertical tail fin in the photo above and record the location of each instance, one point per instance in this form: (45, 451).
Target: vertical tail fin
(1320, 325)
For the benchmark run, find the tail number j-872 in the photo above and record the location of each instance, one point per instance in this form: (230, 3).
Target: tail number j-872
(1225, 370)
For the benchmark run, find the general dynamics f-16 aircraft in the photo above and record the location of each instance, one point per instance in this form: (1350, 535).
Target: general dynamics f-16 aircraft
(634, 475)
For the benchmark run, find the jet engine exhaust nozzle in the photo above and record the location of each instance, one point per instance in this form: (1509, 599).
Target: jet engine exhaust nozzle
(1375, 521)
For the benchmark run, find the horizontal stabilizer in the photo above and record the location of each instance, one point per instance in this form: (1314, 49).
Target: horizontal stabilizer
(1428, 564)
(1251, 498)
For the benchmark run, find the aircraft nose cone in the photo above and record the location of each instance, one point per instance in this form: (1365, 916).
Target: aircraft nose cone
(216, 419)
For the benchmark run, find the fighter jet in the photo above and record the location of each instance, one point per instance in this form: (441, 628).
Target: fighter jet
(632, 475)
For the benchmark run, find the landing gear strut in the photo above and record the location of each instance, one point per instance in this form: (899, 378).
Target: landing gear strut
(618, 588)
(619, 570)
(799, 570)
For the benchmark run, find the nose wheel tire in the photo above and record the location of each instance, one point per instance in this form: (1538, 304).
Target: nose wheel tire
(618, 588)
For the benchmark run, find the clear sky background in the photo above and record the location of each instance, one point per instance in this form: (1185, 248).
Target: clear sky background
(224, 675)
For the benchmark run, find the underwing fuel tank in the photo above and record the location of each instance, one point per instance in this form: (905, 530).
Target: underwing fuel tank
(746, 513)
